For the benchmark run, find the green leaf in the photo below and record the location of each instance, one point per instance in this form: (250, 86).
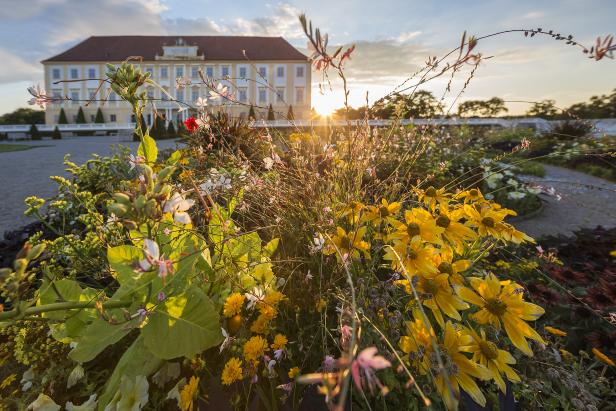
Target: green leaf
(147, 149)
(68, 289)
(121, 259)
(136, 360)
(271, 247)
(184, 325)
(96, 337)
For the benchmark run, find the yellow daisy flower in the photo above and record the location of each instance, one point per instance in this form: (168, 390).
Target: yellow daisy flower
(419, 224)
(384, 213)
(454, 232)
(233, 305)
(352, 211)
(445, 265)
(432, 196)
(488, 221)
(419, 335)
(500, 302)
(188, 393)
(280, 342)
(293, 372)
(348, 244)
(416, 257)
(486, 353)
(254, 349)
(232, 371)
(472, 195)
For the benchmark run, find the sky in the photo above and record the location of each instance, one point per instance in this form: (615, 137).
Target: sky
(393, 38)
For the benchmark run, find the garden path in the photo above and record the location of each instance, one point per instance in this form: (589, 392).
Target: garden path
(26, 173)
(586, 202)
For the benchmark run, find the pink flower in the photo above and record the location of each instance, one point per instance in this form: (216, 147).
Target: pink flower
(367, 361)
(154, 259)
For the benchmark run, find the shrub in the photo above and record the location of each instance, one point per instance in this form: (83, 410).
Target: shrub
(99, 119)
(270, 113)
(571, 130)
(56, 134)
(171, 133)
(290, 115)
(251, 113)
(62, 117)
(81, 118)
(34, 132)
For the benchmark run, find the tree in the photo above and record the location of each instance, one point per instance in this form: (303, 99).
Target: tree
(270, 113)
(62, 117)
(290, 115)
(251, 113)
(171, 133)
(56, 135)
(34, 133)
(159, 131)
(23, 116)
(99, 117)
(353, 114)
(544, 109)
(481, 108)
(421, 104)
(81, 118)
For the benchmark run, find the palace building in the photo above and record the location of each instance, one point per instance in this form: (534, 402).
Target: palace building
(258, 71)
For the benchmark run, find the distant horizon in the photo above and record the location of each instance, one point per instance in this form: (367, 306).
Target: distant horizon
(390, 45)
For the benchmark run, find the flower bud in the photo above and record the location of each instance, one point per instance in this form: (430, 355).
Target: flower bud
(121, 198)
(151, 208)
(140, 202)
(36, 251)
(20, 265)
(118, 209)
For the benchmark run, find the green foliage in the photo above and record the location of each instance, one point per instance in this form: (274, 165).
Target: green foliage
(56, 135)
(99, 119)
(171, 133)
(81, 118)
(159, 129)
(420, 104)
(62, 117)
(136, 136)
(23, 116)
(545, 109)
(34, 133)
(488, 108)
(147, 149)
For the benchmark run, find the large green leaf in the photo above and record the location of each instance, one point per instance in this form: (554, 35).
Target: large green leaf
(68, 289)
(136, 360)
(121, 259)
(182, 326)
(96, 337)
(147, 149)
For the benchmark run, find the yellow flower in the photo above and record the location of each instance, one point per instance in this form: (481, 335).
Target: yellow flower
(233, 305)
(488, 221)
(261, 324)
(352, 211)
(474, 194)
(602, 357)
(320, 305)
(453, 231)
(420, 225)
(273, 298)
(486, 353)
(501, 302)
(386, 212)
(232, 371)
(459, 369)
(347, 244)
(416, 257)
(555, 331)
(254, 349)
(431, 196)
(280, 342)
(566, 354)
(445, 265)
(293, 372)
(613, 253)
(419, 336)
(188, 393)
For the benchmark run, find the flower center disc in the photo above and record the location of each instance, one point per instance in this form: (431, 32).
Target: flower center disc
(489, 349)
(488, 222)
(496, 306)
(412, 229)
(445, 267)
(443, 221)
(431, 192)
(383, 211)
(345, 243)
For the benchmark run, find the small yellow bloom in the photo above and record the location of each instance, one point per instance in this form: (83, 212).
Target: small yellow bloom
(8, 381)
(555, 331)
(566, 354)
(233, 305)
(254, 348)
(348, 245)
(293, 372)
(603, 358)
(320, 305)
(188, 394)
(232, 371)
(383, 213)
(280, 342)
(613, 253)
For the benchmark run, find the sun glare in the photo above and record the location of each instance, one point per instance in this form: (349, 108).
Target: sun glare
(325, 105)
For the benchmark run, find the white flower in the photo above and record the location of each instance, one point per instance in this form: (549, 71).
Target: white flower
(516, 195)
(152, 258)
(43, 403)
(38, 96)
(269, 163)
(255, 296)
(201, 103)
(182, 82)
(318, 242)
(227, 342)
(178, 205)
(221, 91)
(216, 181)
(89, 405)
(135, 161)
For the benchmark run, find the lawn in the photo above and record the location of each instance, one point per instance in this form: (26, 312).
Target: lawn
(5, 148)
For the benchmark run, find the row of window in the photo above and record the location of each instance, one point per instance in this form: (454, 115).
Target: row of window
(241, 95)
(74, 74)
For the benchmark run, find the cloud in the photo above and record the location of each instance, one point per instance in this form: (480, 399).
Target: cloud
(14, 68)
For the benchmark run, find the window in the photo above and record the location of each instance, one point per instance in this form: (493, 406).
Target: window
(263, 72)
(209, 71)
(179, 71)
(74, 73)
(75, 96)
(56, 95)
(225, 71)
(112, 118)
(299, 71)
(262, 95)
(279, 94)
(299, 95)
(164, 72)
(243, 94)
(195, 94)
(91, 93)
(55, 74)
(194, 71)
(163, 95)
(179, 95)
(280, 71)
(91, 72)
(113, 97)
(242, 72)
(150, 94)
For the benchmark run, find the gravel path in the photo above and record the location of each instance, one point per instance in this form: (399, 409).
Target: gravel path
(25, 173)
(586, 201)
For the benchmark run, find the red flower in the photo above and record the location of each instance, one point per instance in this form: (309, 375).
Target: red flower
(191, 124)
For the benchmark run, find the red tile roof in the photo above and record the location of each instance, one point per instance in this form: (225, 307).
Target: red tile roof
(118, 48)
